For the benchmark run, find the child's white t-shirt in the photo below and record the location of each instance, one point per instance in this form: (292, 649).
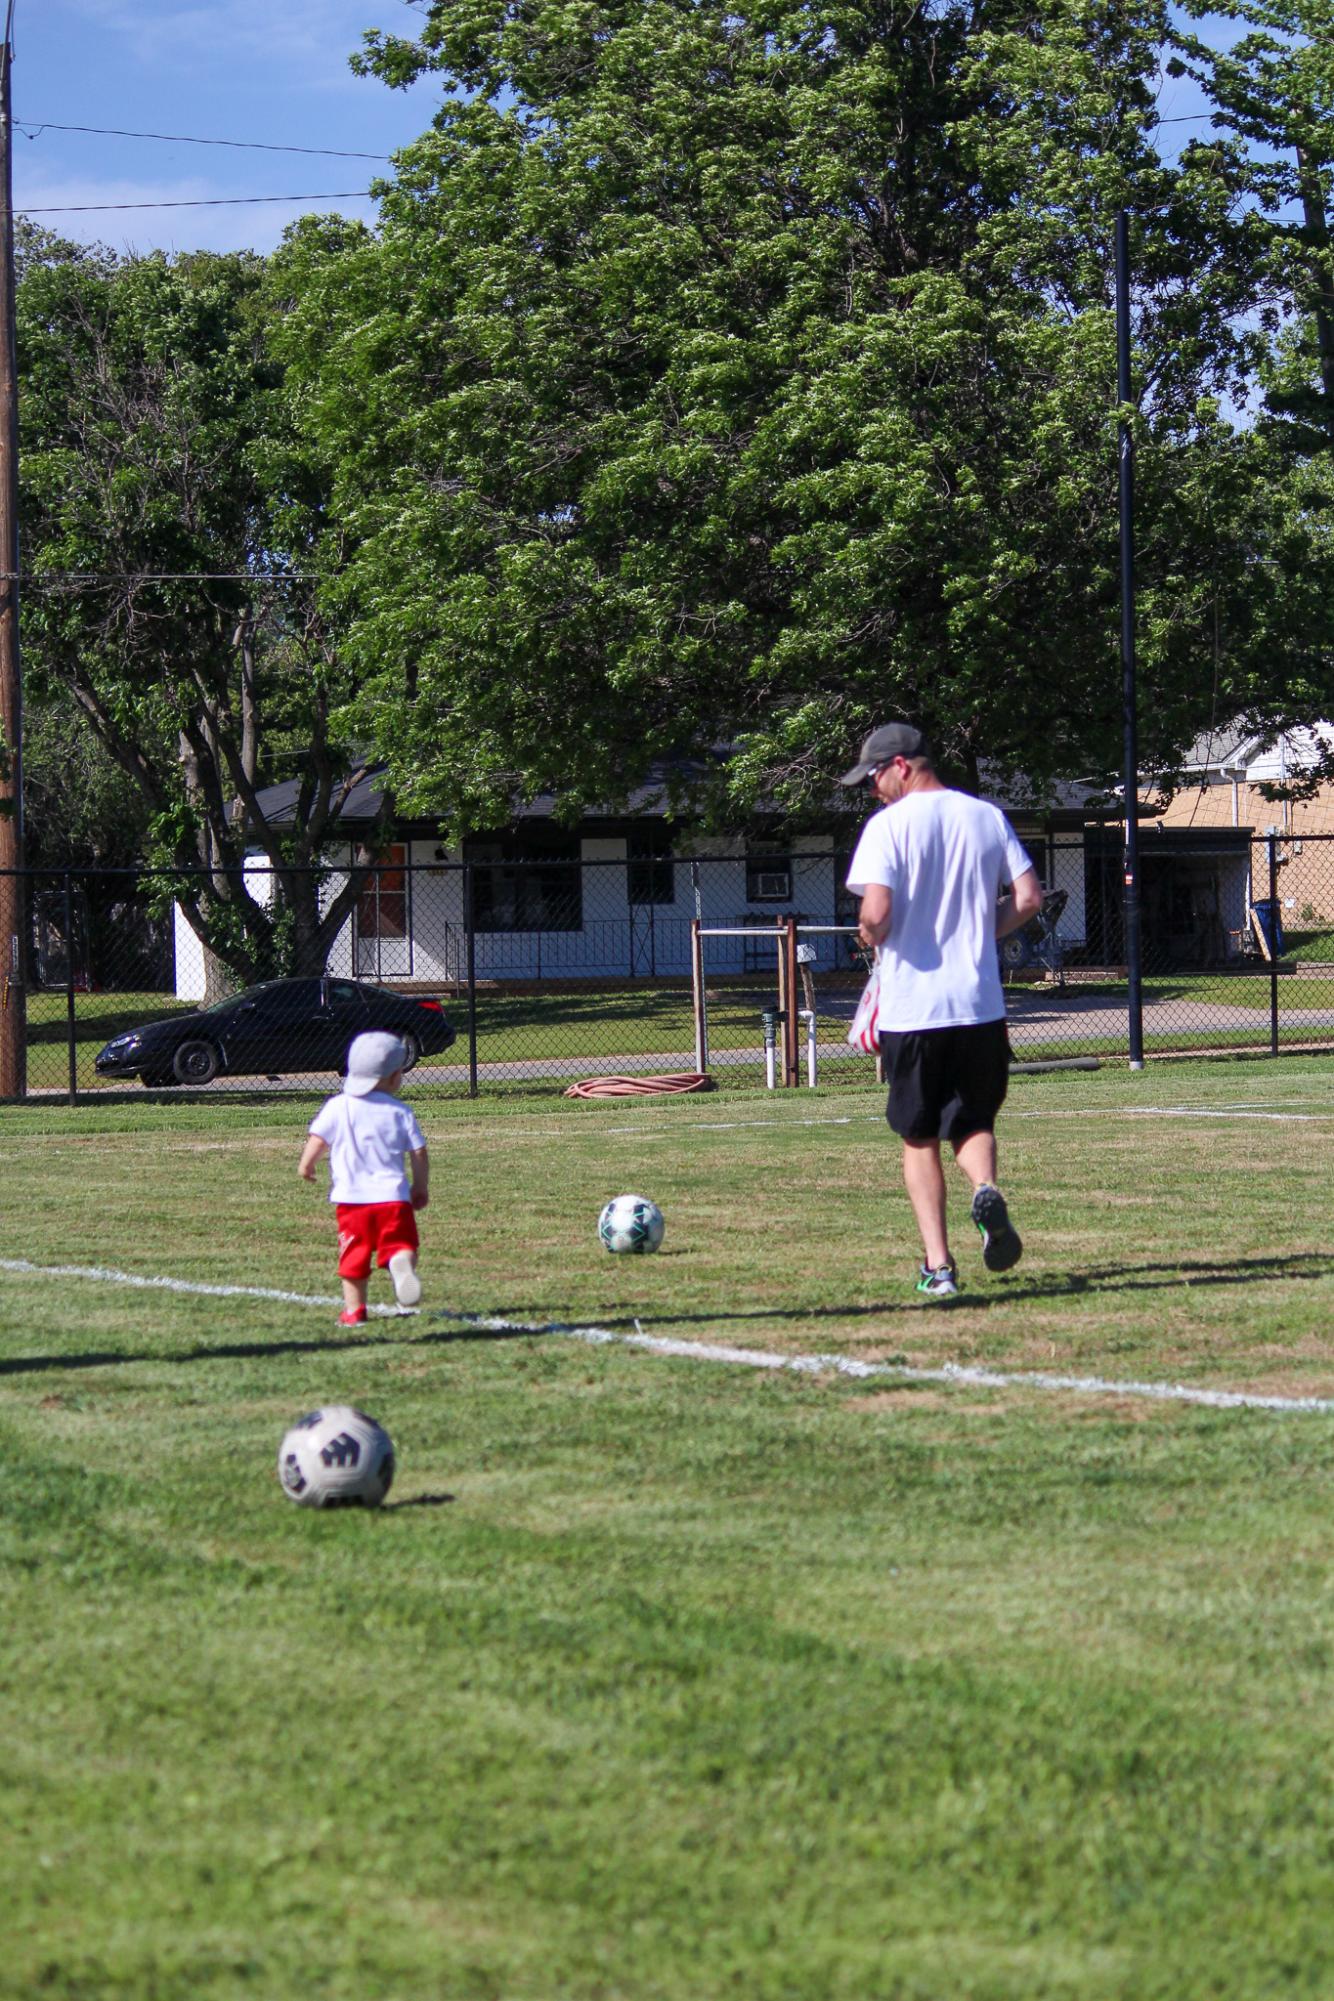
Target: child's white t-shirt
(367, 1140)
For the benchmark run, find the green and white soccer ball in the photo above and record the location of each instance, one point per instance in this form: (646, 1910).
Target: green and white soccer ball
(336, 1458)
(631, 1223)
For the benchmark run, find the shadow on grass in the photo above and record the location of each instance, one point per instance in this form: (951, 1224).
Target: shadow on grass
(1100, 1278)
(1111, 1279)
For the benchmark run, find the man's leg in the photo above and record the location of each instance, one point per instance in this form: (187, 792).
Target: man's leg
(976, 1155)
(924, 1179)
(982, 1069)
(1002, 1246)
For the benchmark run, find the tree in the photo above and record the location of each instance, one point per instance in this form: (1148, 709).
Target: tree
(1273, 95)
(171, 533)
(1272, 91)
(745, 376)
(83, 809)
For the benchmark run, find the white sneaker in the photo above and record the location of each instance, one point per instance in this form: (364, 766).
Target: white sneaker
(407, 1285)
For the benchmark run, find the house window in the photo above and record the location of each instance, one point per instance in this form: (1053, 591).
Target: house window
(522, 889)
(650, 876)
(382, 907)
(769, 876)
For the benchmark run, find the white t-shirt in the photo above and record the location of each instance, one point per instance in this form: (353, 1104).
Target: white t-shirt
(944, 857)
(367, 1140)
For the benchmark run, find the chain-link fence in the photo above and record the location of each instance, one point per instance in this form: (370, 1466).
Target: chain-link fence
(529, 971)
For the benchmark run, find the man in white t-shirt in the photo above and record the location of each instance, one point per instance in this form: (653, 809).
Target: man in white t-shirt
(930, 868)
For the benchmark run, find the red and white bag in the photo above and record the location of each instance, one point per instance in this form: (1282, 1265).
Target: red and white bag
(865, 1030)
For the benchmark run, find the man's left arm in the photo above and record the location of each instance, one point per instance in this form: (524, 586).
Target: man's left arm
(1024, 901)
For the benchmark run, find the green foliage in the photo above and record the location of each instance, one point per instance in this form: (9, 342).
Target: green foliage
(1272, 88)
(170, 603)
(741, 377)
(82, 807)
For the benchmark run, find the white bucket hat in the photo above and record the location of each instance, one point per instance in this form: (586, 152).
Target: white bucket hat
(370, 1057)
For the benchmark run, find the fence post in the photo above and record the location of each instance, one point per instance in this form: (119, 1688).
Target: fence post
(71, 1035)
(791, 1025)
(1273, 939)
(13, 995)
(697, 985)
(470, 938)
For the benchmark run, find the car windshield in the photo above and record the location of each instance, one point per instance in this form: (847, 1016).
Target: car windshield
(251, 993)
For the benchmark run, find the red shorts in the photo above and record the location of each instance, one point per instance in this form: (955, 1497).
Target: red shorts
(367, 1230)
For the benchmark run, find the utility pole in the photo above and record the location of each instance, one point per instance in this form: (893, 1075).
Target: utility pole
(1130, 748)
(13, 895)
(13, 891)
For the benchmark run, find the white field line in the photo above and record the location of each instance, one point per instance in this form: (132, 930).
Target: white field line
(954, 1373)
(105, 1276)
(846, 1365)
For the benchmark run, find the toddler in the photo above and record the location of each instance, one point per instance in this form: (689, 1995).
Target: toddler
(368, 1132)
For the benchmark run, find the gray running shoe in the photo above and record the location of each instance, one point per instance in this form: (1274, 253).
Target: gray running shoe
(1001, 1246)
(942, 1283)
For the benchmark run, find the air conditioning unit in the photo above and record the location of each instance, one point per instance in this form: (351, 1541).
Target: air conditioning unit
(775, 884)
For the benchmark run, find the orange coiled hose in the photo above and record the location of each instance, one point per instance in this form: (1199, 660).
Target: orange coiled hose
(641, 1087)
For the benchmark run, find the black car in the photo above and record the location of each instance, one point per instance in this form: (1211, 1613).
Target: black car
(283, 1026)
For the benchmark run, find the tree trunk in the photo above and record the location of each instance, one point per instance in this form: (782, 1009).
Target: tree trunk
(219, 980)
(309, 943)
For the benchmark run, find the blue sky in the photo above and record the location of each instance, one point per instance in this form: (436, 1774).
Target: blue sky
(272, 72)
(268, 71)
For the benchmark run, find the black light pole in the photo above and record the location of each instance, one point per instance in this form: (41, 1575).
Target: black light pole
(13, 898)
(1130, 754)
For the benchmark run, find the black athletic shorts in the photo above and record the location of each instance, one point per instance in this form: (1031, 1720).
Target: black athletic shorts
(945, 1083)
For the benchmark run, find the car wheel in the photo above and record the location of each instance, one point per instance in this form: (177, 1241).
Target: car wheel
(158, 1080)
(195, 1063)
(412, 1050)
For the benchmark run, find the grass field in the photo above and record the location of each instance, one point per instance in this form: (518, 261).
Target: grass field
(663, 1677)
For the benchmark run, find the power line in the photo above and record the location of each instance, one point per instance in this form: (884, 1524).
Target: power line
(32, 578)
(217, 201)
(40, 125)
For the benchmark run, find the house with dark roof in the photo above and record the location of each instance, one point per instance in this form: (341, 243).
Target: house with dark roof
(614, 896)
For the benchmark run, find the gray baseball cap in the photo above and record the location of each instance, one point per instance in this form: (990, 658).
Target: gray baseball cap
(370, 1057)
(889, 741)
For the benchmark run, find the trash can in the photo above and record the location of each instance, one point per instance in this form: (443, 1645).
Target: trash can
(1267, 910)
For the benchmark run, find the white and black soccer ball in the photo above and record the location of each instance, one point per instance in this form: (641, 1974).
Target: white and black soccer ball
(336, 1458)
(631, 1223)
